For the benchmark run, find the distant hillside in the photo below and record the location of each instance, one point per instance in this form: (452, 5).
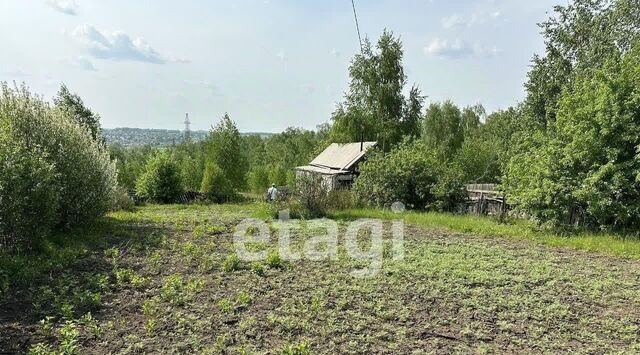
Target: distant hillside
(154, 137)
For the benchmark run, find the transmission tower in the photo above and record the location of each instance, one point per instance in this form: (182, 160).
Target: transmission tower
(187, 128)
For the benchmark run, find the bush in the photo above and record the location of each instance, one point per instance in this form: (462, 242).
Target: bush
(312, 196)
(411, 174)
(55, 175)
(160, 181)
(27, 194)
(215, 184)
(122, 201)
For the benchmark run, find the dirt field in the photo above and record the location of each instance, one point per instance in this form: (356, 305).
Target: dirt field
(162, 280)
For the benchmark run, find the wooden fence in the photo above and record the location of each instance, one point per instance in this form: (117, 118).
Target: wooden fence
(485, 199)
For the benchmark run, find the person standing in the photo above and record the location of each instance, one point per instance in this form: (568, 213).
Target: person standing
(272, 193)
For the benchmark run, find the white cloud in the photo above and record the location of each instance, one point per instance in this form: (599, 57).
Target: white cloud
(459, 49)
(82, 63)
(68, 7)
(119, 46)
(281, 55)
(335, 52)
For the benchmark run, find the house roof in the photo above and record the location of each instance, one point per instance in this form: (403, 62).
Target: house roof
(321, 170)
(341, 156)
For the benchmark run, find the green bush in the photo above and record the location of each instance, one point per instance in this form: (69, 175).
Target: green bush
(55, 175)
(312, 195)
(27, 194)
(215, 184)
(160, 181)
(412, 174)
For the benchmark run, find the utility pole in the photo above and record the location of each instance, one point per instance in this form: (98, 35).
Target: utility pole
(187, 128)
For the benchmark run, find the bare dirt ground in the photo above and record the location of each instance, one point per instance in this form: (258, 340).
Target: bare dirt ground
(163, 279)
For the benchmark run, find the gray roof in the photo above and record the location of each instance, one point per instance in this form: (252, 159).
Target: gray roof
(338, 158)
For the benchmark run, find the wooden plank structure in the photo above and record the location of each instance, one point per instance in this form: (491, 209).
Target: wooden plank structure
(486, 199)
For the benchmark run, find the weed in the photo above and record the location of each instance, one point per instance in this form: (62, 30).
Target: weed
(46, 326)
(129, 276)
(257, 268)
(176, 291)
(91, 324)
(298, 349)
(150, 306)
(225, 305)
(69, 338)
(243, 300)
(41, 349)
(172, 290)
(274, 260)
(231, 263)
(150, 326)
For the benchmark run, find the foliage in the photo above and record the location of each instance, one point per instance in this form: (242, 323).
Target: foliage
(73, 106)
(586, 172)
(375, 107)
(122, 200)
(54, 174)
(411, 174)
(312, 195)
(225, 150)
(215, 184)
(486, 150)
(258, 179)
(584, 34)
(160, 181)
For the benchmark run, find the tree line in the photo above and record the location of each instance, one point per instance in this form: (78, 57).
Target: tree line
(567, 155)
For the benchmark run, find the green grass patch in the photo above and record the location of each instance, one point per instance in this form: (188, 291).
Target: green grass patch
(627, 246)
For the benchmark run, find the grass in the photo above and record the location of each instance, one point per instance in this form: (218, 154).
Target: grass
(607, 243)
(167, 279)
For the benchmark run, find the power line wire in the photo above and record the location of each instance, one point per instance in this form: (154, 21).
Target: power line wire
(357, 26)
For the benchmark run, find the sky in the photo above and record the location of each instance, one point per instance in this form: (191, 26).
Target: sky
(270, 64)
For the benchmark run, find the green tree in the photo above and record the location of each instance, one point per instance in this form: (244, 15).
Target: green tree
(443, 128)
(72, 104)
(215, 184)
(375, 106)
(586, 172)
(225, 151)
(583, 34)
(160, 181)
(487, 148)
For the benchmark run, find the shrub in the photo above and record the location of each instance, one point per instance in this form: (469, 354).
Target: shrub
(122, 201)
(215, 184)
(27, 195)
(411, 174)
(160, 181)
(313, 196)
(55, 175)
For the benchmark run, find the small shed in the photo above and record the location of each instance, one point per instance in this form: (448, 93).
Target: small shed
(338, 164)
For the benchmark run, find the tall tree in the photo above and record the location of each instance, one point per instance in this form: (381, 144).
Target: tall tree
(582, 35)
(375, 106)
(72, 104)
(225, 151)
(443, 129)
